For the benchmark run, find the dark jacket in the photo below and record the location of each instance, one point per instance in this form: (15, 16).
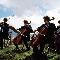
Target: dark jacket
(4, 30)
(50, 34)
(27, 34)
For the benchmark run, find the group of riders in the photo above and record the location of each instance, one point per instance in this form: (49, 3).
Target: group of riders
(47, 34)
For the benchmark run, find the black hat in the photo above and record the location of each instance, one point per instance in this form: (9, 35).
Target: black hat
(5, 19)
(25, 21)
(46, 18)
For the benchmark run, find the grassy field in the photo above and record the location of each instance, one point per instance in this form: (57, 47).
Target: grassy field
(10, 54)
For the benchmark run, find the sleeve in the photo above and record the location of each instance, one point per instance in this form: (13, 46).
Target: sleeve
(22, 27)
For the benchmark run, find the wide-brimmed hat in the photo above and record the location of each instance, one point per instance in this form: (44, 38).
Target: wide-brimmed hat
(5, 19)
(25, 21)
(46, 18)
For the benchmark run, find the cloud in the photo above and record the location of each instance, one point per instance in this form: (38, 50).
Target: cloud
(54, 13)
(18, 22)
(33, 10)
(21, 7)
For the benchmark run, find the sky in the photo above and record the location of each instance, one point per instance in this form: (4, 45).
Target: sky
(31, 10)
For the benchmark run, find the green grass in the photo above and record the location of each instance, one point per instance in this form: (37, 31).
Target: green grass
(8, 54)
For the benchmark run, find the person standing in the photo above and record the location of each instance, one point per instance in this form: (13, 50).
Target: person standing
(27, 29)
(4, 31)
(47, 31)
